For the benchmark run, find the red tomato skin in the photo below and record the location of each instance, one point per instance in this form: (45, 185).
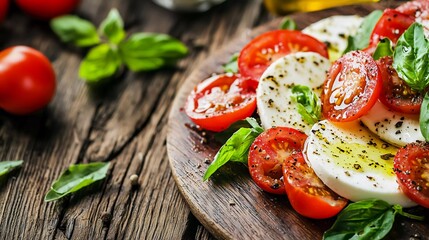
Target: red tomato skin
(260, 52)
(267, 153)
(361, 93)
(392, 93)
(220, 120)
(391, 25)
(411, 164)
(4, 6)
(320, 203)
(47, 9)
(27, 80)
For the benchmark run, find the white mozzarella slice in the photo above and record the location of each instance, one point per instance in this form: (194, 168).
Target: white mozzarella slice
(353, 162)
(393, 127)
(334, 31)
(274, 93)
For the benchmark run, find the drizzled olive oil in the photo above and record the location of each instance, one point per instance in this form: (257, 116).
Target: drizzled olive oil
(282, 7)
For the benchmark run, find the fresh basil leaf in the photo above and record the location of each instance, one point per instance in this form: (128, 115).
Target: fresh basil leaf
(398, 209)
(75, 30)
(288, 24)
(232, 65)
(236, 149)
(309, 105)
(384, 48)
(247, 123)
(7, 166)
(113, 27)
(424, 117)
(367, 219)
(75, 178)
(255, 125)
(150, 51)
(361, 39)
(101, 62)
(411, 57)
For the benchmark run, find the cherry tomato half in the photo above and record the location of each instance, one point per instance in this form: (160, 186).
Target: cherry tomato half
(417, 9)
(306, 192)
(395, 93)
(411, 166)
(259, 53)
(267, 154)
(4, 5)
(221, 100)
(47, 9)
(351, 88)
(391, 25)
(27, 80)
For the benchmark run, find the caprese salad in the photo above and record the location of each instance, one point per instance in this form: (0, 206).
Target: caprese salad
(343, 115)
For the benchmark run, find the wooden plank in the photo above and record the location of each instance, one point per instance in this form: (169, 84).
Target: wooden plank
(230, 205)
(124, 123)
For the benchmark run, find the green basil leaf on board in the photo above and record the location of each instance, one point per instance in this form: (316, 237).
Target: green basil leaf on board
(232, 65)
(361, 39)
(411, 57)
(101, 62)
(8, 166)
(150, 51)
(384, 48)
(424, 117)
(288, 24)
(236, 148)
(75, 30)
(370, 219)
(113, 27)
(75, 178)
(309, 105)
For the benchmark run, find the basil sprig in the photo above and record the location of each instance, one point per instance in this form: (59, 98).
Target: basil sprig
(236, 148)
(411, 57)
(288, 24)
(8, 166)
(232, 65)
(384, 48)
(309, 105)
(368, 219)
(424, 117)
(140, 52)
(75, 178)
(361, 39)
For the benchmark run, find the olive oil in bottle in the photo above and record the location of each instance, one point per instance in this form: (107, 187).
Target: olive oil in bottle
(282, 7)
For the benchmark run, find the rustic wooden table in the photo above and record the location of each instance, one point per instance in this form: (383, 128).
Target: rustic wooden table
(124, 123)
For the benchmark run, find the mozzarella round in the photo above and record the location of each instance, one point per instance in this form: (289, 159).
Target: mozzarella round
(334, 31)
(393, 127)
(353, 162)
(274, 93)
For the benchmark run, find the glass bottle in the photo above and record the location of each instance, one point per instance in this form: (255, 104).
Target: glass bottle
(188, 5)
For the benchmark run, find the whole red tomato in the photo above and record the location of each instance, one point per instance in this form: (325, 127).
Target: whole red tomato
(27, 80)
(4, 5)
(47, 9)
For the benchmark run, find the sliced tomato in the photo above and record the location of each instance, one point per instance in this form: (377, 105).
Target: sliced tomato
(259, 53)
(351, 88)
(411, 166)
(306, 192)
(395, 93)
(267, 154)
(391, 25)
(417, 9)
(221, 100)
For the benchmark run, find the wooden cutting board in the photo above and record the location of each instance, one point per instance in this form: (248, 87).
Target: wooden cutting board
(230, 205)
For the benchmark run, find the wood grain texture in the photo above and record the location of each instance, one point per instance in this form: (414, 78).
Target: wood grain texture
(124, 122)
(230, 205)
